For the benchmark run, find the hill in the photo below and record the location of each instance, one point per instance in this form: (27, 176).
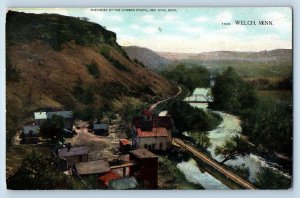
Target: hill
(273, 63)
(62, 62)
(148, 57)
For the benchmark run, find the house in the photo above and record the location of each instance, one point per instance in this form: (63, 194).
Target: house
(152, 132)
(41, 117)
(74, 155)
(92, 167)
(100, 129)
(146, 169)
(30, 134)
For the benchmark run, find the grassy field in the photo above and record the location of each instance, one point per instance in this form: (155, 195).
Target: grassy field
(279, 95)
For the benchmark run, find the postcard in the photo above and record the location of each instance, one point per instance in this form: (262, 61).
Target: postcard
(149, 98)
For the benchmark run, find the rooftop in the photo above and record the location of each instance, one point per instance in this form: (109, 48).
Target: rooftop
(142, 153)
(74, 151)
(123, 184)
(92, 167)
(156, 132)
(35, 129)
(100, 126)
(46, 115)
(124, 141)
(157, 122)
(106, 178)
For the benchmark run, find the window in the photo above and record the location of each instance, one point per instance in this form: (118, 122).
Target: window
(153, 146)
(145, 146)
(160, 145)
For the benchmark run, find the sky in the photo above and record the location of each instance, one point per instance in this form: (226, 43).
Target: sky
(190, 30)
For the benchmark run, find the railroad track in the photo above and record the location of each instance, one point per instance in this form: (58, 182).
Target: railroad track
(245, 184)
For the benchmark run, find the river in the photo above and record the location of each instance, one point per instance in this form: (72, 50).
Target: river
(230, 126)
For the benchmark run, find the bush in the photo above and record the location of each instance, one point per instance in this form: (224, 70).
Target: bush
(269, 179)
(84, 94)
(188, 118)
(93, 69)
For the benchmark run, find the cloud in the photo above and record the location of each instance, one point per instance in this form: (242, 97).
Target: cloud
(191, 29)
(116, 18)
(169, 18)
(280, 21)
(148, 18)
(206, 43)
(201, 19)
(224, 17)
(146, 29)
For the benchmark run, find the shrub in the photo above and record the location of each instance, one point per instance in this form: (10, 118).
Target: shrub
(93, 69)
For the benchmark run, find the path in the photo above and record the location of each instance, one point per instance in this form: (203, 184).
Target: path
(205, 159)
(161, 101)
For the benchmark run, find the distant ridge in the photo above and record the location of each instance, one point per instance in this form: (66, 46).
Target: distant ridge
(149, 58)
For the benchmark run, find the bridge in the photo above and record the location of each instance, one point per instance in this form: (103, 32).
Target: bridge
(214, 165)
(198, 98)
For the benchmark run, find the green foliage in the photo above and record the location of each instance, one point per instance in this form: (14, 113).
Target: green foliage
(55, 30)
(232, 94)
(269, 179)
(191, 77)
(93, 69)
(267, 123)
(39, 173)
(201, 139)
(53, 127)
(270, 125)
(178, 179)
(188, 118)
(83, 93)
(105, 51)
(236, 146)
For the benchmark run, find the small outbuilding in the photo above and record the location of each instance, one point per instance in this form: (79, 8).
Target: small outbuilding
(92, 167)
(74, 155)
(30, 134)
(146, 169)
(124, 145)
(100, 129)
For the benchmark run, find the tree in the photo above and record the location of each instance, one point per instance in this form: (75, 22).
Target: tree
(232, 94)
(39, 173)
(188, 118)
(269, 179)
(237, 146)
(53, 128)
(201, 139)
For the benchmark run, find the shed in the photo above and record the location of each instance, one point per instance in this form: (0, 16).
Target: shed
(123, 184)
(100, 129)
(147, 167)
(92, 167)
(30, 133)
(74, 155)
(125, 145)
(107, 177)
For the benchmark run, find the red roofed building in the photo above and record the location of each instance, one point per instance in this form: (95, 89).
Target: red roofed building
(152, 132)
(106, 178)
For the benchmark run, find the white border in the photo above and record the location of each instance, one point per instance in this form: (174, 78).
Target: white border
(295, 192)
